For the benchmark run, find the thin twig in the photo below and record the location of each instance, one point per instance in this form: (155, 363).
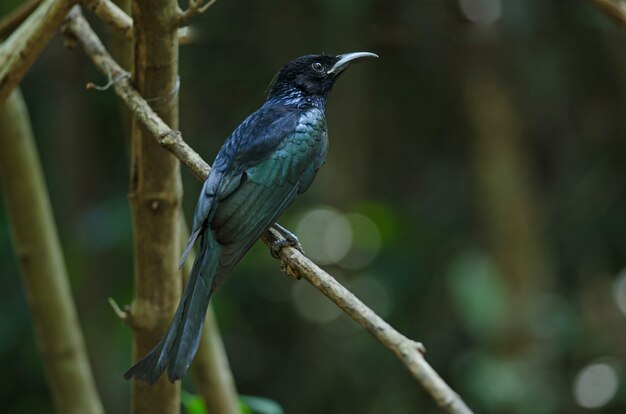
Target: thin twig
(111, 82)
(194, 8)
(615, 9)
(407, 350)
(77, 27)
(12, 20)
(185, 35)
(124, 315)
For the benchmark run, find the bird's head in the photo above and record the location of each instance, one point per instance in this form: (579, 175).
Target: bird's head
(313, 75)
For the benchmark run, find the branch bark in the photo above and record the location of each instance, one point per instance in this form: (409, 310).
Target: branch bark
(293, 262)
(615, 9)
(194, 8)
(21, 49)
(12, 20)
(210, 368)
(410, 352)
(155, 194)
(113, 15)
(78, 29)
(37, 248)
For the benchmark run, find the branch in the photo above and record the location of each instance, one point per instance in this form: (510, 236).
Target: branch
(21, 49)
(155, 197)
(194, 8)
(615, 9)
(38, 250)
(78, 28)
(124, 315)
(111, 14)
(294, 263)
(12, 20)
(210, 367)
(408, 351)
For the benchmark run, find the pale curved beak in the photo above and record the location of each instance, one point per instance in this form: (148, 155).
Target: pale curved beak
(346, 59)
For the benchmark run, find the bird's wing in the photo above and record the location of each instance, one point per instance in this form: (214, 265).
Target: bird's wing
(318, 161)
(253, 141)
(203, 209)
(265, 191)
(241, 220)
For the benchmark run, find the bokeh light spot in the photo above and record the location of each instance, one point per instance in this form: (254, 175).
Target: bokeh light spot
(366, 242)
(478, 293)
(595, 385)
(481, 11)
(326, 235)
(373, 293)
(619, 290)
(312, 306)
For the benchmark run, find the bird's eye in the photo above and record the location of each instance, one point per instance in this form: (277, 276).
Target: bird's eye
(317, 66)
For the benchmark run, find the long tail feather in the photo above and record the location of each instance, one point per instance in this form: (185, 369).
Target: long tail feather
(179, 345)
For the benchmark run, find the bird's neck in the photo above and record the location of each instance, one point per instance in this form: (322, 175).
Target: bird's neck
(295, 97)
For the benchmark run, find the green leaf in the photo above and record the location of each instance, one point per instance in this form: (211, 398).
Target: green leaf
(259, 405)
(244, 408)
(193, 404)
(479, 294)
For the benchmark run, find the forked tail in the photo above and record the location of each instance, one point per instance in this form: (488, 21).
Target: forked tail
(179, 345)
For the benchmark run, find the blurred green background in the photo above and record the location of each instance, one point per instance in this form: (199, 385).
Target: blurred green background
(474, 196)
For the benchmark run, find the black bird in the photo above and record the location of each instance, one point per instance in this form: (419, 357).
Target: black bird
(268, 160)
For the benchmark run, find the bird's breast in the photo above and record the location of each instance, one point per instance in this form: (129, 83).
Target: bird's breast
(311, 126)
(298, 155)
(309, 133)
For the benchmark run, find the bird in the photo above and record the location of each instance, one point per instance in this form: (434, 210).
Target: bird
(270, 158)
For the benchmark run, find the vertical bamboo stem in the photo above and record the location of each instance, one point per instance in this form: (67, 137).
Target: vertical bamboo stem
(59, 337)
(20, 50)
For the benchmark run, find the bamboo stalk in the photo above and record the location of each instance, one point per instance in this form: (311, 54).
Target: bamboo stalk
(113, 15)
(37, 248)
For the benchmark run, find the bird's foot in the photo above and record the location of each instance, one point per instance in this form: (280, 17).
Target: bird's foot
(289, 239)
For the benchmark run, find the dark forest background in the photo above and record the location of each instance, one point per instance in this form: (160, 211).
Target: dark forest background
(474, 196)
